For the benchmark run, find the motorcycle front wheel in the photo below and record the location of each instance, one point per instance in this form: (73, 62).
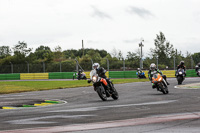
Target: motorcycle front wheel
(180, 80)
(164, 89)
(102, 94)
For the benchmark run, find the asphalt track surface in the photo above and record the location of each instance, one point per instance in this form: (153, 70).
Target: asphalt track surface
(140, 109)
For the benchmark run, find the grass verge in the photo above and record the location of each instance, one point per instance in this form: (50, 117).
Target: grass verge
(25, 86)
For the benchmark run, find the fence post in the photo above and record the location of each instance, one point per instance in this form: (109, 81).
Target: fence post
(107, 64)
(43, 67)
(11, 67)
(27, 66)
(92, 63)
(60, 67)
(123, 64)
(191, 62)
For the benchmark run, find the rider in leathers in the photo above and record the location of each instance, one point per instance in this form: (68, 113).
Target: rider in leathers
(197, 67)
(152, 71)
(181, 65)
(101, 73)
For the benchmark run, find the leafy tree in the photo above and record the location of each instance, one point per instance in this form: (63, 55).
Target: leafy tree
(42, 53)
(120, 55)
(163, 49)
(196, 57)
(21, 49)
(4, 51)
(102, 53)
(58, 55)
(133, 59)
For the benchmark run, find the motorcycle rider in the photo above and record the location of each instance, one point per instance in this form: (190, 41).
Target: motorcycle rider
(181, 65)
(101, 73)
(152, 70)
(139, 72)
(79, 74)
(197, 67)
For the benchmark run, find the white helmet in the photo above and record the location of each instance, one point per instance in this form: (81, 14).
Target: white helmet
(153, 66)
(96, 66)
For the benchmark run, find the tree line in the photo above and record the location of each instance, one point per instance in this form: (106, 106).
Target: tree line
(20, 55)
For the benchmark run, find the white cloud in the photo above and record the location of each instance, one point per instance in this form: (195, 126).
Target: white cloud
(101, 24)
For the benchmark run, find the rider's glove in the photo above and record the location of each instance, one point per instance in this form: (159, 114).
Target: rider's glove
(89, 81)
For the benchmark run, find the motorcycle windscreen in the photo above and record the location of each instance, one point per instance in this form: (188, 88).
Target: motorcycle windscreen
(155, 76)
(93, 73)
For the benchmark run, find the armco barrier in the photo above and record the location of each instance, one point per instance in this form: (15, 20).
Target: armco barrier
(88, 74)
(169, 73)
(69, 75)
(132, 74)
(122, 74)
(191, 73)
(9, 76)
(61, 75)
(24, 76)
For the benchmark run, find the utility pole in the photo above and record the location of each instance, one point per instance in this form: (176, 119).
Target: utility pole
(174, 63)
(157, 61)
(191, 62)
(83, 47)
(141, 45)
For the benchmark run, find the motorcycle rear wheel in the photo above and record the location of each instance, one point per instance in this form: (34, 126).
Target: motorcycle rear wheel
(115, 94)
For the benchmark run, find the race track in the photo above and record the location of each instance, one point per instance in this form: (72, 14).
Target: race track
(139, 109)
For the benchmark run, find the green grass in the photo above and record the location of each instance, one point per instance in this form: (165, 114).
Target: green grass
(24, 86)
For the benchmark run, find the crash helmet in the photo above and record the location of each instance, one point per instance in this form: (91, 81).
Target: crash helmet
(138, 69)
(153, 66)
(96, 66)
(182, 63)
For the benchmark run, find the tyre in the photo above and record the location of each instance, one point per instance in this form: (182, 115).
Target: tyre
(101, 93)
(164, 89)
(180, 80)
(115, 94)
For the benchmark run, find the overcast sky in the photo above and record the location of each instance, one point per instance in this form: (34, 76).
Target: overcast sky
(102, 24)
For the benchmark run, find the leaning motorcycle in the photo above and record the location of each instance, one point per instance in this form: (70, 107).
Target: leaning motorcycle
(100, 89)
(180, 75)
(198, 72)
(160, 83)
(140, 75)
(81, 76)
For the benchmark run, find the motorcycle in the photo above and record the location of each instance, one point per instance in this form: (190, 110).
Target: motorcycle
(140, 74)
(160, 83)
(180, 75)
(198, 72)
(80, 76)
(100, 88)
